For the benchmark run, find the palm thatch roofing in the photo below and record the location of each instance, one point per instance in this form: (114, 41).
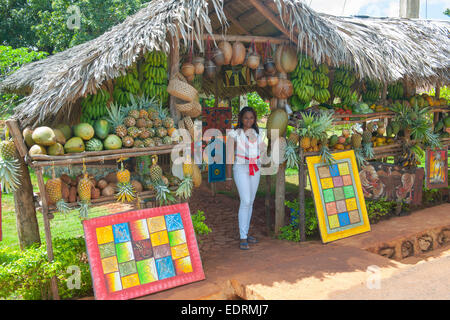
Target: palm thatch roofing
(387, 49)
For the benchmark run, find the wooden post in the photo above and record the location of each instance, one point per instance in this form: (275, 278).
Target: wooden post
(280, 188)
(436, 115)
(174, 67)
(48, 235)
(301, 196)
(26, 220)
(267, 202)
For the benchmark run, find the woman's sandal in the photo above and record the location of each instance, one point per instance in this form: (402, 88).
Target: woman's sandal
(244, 245)
(251, 239)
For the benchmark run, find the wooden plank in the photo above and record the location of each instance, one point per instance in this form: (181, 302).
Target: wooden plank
(16, 134)
(174, 65)
(236, 23)
(301, 195)
(271, 17)
(280, 188)
(48, 234)
(245, 39)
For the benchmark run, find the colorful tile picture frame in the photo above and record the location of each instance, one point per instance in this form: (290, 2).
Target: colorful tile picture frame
(141, 252)
(338, 197)
(436, 168)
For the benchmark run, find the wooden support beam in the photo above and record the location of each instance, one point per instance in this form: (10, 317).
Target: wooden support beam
(267, 203)
(268, 14)
(301, 195)
(280, 189)
(236, 23)
(48, 235)
(245, 39)
(174, 67)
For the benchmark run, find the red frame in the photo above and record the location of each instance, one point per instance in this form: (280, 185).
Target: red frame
(100, 290)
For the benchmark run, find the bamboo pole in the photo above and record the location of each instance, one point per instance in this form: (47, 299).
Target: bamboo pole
(48, 235)
(245, 39)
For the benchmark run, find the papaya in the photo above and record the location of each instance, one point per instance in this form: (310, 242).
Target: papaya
(84, 130)
(74, 145)
(101, 128)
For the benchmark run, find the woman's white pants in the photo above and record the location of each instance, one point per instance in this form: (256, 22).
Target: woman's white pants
(247, 186)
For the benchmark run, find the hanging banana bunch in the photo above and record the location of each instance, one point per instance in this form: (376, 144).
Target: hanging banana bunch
(94, 107)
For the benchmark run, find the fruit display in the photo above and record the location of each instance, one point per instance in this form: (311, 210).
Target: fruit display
(141, 124)
(303, 81)
(154, 74)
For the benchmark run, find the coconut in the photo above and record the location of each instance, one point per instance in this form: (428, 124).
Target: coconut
(44, 136)
(187, 69)
(37, 150)
(227, 50)
(28, 137)
(239, 53)
(278, 120)
(102, 183)
(288, 59)
(60, 138)
(137, 186)
(56, 150)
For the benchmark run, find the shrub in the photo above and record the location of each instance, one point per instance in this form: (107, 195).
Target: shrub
(379, 209)
(26, 274)
(200, 228)
(291, 231)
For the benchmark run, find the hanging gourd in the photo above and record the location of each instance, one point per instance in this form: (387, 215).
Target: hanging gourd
(253, 57)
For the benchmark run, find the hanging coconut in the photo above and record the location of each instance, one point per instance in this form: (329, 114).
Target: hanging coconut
(261, 82)
(283, 89)
(278, 120)
(272, 80)
(188, 69)
(253, 59)
(227, 50)
(277, 59)
(288, 59)
(259, 71)
(218, 57)
(210, 69)
(199, 65)
(238, 56)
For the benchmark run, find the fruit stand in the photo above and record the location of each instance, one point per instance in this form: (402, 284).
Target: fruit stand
(312, 68)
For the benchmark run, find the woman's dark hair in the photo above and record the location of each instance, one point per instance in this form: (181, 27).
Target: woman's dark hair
(244, 110)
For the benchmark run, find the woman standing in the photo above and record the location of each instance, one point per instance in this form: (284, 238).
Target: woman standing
(245, 164)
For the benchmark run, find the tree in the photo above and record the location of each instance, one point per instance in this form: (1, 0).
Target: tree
(72, 22)
(447, 12)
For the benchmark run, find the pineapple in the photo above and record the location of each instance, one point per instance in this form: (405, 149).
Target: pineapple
(143, 114)
(53, 188)
(145, 133)
(8, 149)
(125, 188)
(138, 143)
(152, 132)
(155, 170)
(116, 118)
(127, 142)
(305, 143)
(141, 123)
(294, 138)
(134, 113)
(152, 113)
(168, 122)
(133, 132)
(158, 141)
(187, 167)
(314, 142)
(129, 122)
(149, 123)
(84, 188)
(157, 122)
(149, 143)
(356, 141)
(167, 140)
(161, 132)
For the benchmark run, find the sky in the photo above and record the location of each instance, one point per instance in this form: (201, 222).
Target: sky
(429, 9)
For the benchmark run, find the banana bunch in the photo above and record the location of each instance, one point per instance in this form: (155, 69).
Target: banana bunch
(411, 156)
(122, 97)
(151, 89)
(321, 95)
(395, 90)
(321, 79)
(372, 90)
(156, 59)
(129, 82)
(304, 92)
(303, 79)
(344, 78)
(156, 74)
(94, 107)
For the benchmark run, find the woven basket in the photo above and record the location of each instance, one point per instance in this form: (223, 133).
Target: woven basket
(178, 87)
(189, 125)
(192, 109)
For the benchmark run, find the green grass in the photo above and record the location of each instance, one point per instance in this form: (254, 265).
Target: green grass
(61, 226)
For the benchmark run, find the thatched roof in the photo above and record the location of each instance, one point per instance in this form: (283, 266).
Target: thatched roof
(383, 49)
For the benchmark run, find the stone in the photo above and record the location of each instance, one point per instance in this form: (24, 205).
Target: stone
(425, 243)
(387, 252)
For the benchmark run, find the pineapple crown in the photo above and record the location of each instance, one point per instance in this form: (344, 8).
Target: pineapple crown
(115, 115)
(315, 126)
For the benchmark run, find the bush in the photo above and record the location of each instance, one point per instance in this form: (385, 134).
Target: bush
(26, 274)
(291, 232)
(379, 209)
(200, 228)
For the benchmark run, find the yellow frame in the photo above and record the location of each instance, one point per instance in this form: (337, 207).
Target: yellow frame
(328, 237)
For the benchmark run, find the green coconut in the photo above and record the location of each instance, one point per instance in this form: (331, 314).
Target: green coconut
(55, 150)
(74, 145)
(44, 136)
(278, 119)
(28, 137)
(37, 150)
(66, 130)
(112, 142)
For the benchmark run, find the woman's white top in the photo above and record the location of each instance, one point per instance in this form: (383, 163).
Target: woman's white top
(247, 152)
